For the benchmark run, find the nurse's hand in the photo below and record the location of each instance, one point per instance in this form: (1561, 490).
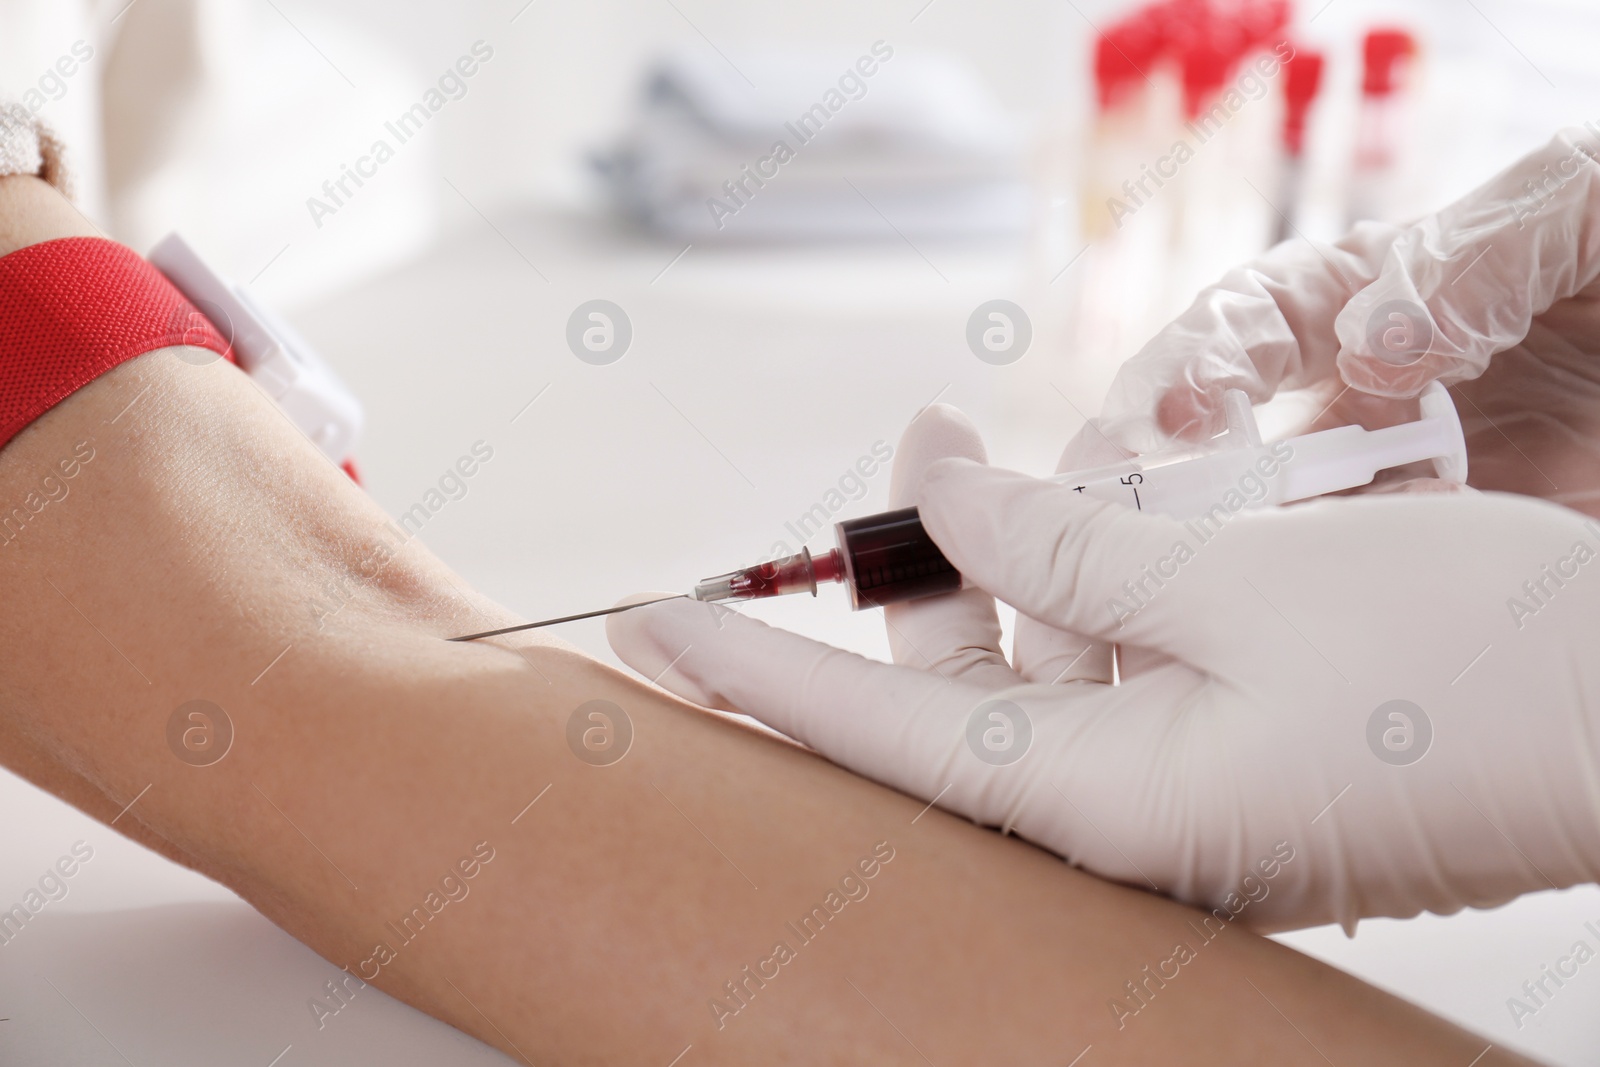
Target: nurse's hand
(1495, 295)
(1366, 706)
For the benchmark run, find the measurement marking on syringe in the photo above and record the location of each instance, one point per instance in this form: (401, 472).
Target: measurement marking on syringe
(1132, 482)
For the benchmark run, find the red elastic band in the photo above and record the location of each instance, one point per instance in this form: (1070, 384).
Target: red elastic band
(72, 309)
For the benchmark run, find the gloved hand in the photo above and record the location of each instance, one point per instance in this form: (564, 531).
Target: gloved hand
(1498, 289)
(1264, 766)
(1507, 272)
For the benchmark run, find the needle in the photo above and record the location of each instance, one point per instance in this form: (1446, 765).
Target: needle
(565, 618)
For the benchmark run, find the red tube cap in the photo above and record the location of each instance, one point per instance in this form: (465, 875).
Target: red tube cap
(1384, 54)
(1302, 78)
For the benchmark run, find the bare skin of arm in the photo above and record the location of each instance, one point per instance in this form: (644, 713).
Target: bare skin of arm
(206, 551)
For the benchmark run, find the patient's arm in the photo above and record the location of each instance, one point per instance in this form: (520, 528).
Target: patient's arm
(206, 551)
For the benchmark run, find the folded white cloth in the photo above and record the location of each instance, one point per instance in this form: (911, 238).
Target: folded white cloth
(817, 145)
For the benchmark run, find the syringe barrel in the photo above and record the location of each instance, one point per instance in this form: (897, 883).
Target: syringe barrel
(889, 557)
(1190, 487)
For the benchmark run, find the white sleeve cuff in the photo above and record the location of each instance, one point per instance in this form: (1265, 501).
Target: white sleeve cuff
(28, 146)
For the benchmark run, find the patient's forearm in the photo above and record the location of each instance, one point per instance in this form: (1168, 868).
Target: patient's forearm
(191, 560)
(387, 788)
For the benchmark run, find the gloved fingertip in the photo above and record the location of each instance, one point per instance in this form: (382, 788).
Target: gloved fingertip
(1419, 486)
(1184, 413)
(938, 431)
(1371, 374)
(944, 473)
(937, 416)
(645, 632)
(668, 644)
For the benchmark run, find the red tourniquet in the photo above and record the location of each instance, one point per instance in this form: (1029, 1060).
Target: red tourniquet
(72, 309)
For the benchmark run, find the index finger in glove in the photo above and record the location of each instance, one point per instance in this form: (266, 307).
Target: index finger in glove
(895, 724)
(1264, 326)
(1064, 559)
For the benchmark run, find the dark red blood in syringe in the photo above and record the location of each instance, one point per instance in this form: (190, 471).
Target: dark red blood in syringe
(882, 558)
(828, 568)
(792, 574)
(758, 581)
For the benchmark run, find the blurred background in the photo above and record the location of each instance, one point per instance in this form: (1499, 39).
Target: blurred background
(434, 194)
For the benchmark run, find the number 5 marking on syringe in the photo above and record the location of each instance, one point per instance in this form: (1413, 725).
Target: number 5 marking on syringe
(1132, 481)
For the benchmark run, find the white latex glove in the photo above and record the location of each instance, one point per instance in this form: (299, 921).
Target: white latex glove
(1498, 289)
(1495, 295)
(1266, 731)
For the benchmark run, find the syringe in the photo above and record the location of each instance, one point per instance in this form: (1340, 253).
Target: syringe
(889, 557)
